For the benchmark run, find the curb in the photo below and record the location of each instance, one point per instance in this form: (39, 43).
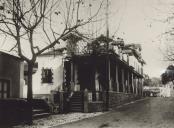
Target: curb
(132, 102)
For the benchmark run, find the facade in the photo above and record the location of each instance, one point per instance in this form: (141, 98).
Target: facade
(48, 75)
(167, 90)
(153, 91)
(94, 75)
(110, 74)
(11, 76)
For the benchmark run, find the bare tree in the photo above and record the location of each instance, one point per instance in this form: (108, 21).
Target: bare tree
(25, 20)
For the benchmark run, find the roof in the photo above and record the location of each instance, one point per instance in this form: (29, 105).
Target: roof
(58, 51)
(103, 38)
(72, 35)
(2, 52)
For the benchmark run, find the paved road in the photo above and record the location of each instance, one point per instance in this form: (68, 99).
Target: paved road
(150, 113)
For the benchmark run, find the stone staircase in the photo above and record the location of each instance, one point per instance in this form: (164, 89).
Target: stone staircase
(40, 109)
(76, 102)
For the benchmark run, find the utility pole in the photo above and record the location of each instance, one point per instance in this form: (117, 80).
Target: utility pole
(107, 19)
(107, 56)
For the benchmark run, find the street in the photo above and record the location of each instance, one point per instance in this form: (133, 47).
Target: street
(154, 112)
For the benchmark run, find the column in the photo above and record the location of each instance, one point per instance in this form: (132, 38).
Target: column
(117, 82)
(122, 73)
(136, 83)
(86, 100)
(109, 75)
(128, 81)
(97, 86)
(76, 83)
(141, 87)
(72, 76)
(138, 86)
(133, 91)
(22, 82)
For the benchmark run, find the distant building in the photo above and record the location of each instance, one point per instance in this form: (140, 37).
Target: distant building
(167, 90)
(11, 76)
(151, 91)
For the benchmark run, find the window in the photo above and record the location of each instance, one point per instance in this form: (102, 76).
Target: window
(47, 75)
(4, 88)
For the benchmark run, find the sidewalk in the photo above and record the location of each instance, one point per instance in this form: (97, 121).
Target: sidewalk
(59, 119)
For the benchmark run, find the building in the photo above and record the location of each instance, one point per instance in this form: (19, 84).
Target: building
(167, 90)
(11, 76)
(47, 76)
(94, 75)
(109, 72)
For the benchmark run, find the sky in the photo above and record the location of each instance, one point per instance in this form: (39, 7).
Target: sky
(137, 21)
(141, 21)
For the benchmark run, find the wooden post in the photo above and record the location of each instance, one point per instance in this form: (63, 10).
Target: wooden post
(128, 82)
(76, 83)
(122, 73)
(109, 75)
(141, 87)
(117, 82)
(133, 91)
(86, 101)
(61, 102)
(136, 87)
(72, 76)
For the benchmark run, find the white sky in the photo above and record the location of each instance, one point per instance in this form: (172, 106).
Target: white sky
(139, 24)
(139, 21)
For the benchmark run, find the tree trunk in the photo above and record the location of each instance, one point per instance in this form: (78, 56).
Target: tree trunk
(30, 93)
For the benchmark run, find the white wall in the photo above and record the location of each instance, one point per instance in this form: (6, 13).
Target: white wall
(167, 90)
(134, 63)
(22, 82)
(56, 64)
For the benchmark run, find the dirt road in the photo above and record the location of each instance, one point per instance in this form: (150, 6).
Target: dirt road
(150, 113)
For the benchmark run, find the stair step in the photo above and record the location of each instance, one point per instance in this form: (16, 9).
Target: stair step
(77, 110)
(76, 104)
(36, 110)
(41, 115)
(77, 101)
(76, 97)
(39, 111)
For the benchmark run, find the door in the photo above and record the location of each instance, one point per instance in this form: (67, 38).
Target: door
(4, 88)
(67, 76)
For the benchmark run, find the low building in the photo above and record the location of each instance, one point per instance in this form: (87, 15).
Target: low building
(106, 76)
(167, 90)
(94, 75)
(47, 76)
(11, 76)
(152, 91)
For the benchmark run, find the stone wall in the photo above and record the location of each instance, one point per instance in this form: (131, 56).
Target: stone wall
(119, 98)
(97, 106)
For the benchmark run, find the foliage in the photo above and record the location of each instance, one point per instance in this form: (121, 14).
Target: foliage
(35, 26)
(153, 82)
(168, 75)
